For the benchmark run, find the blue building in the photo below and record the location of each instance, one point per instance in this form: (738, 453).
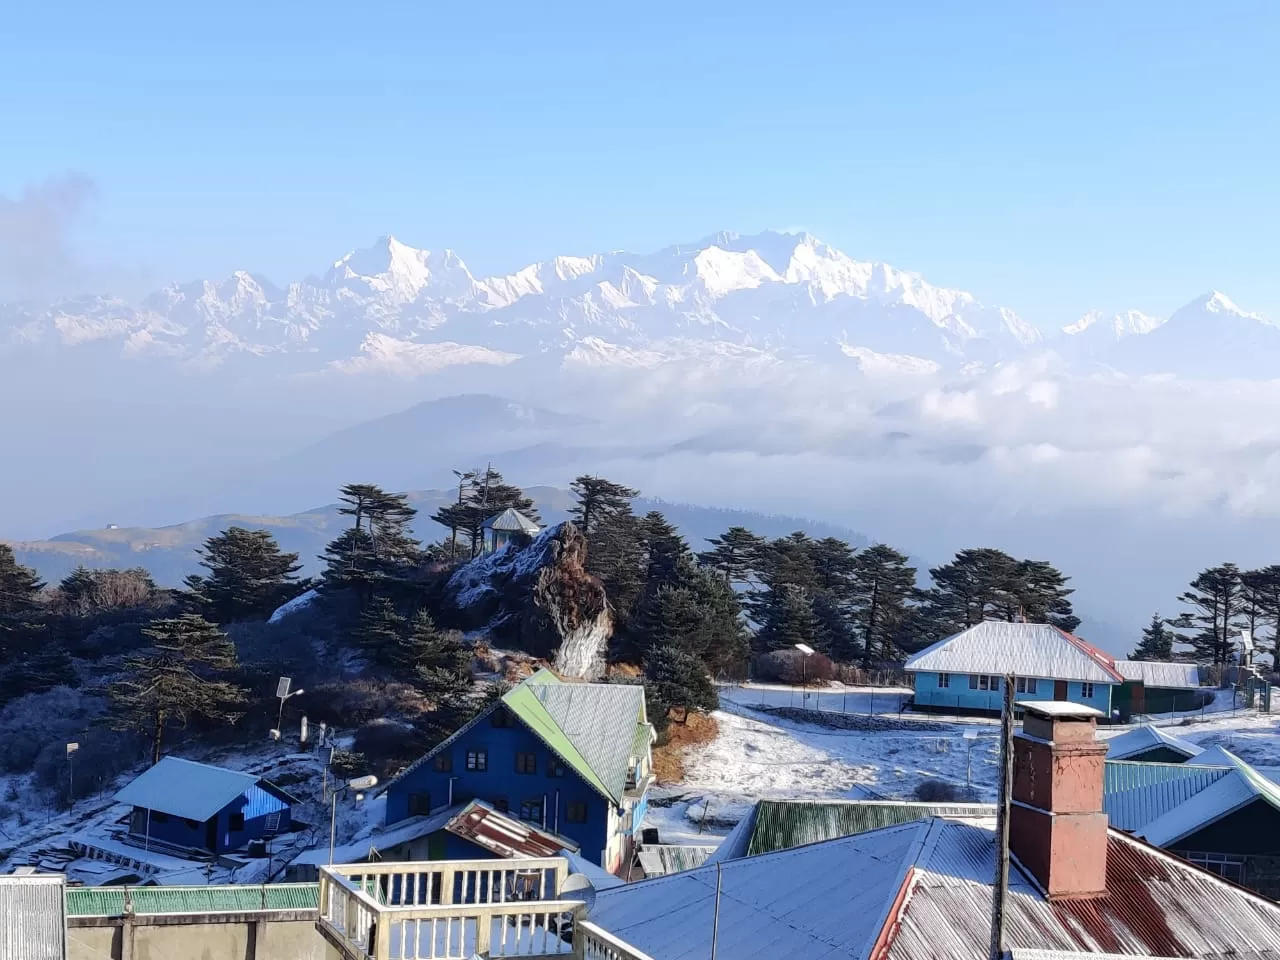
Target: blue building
(572, 759)
(193, 806)
(963, 672)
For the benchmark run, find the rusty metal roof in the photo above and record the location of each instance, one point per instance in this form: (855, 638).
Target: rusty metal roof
(504, 835)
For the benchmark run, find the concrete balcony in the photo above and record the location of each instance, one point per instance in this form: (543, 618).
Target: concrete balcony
(459, 909)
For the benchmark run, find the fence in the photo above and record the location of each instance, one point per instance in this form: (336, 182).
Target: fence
(859, 701)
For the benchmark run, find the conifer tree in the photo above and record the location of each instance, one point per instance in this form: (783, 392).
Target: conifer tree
(883, 585)
(1041, 595)
(377, 553)
(431, 656)
(177, 680)
(599, 500)
(1215, 601)
(664, 546)
(381, 632)
(736, 554)
(249, 576)
(19, 586)
(786, 618)
(675, 679)
(698, 613)
(1156, 643)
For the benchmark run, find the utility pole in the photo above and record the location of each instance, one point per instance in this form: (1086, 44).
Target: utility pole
(1001, 886)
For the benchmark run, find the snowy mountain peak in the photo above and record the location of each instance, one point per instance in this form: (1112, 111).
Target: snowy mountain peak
(399, 273)
(1097, 324)
(1217, 302)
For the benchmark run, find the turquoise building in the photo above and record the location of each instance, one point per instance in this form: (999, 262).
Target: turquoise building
(964, 672)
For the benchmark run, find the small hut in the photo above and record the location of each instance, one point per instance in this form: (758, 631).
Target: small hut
(510, 525)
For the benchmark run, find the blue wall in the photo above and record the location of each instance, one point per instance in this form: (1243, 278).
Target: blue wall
(959, 695)
(501, 782)
(256, 804)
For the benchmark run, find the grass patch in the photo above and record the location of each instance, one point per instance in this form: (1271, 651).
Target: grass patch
(668, 754)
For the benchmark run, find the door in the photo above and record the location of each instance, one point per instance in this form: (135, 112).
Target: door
(1059, 689)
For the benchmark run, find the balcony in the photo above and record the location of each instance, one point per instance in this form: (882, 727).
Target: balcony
(459, 909)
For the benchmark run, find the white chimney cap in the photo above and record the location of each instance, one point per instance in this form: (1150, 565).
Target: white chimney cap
(1058, 708)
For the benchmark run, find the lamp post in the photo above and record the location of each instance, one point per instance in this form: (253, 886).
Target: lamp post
(282, 691)
(358, 784)
(808, 652)
(71, 775)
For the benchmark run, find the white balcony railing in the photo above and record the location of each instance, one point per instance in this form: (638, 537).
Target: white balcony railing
(454, 910)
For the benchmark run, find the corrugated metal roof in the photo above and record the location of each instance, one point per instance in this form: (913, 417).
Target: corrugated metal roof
(1165, 676)
(1156, 905)
(32, 917)
(1144, 738)
(512, 520)
(661, 859)
(598, 720)
(366, 848)
(1023, 649)
(504, 835)
(110, 901)
(1135, 794)
(1242, 786)
(642, 741)
(821, 902)
(184, 788)
(783, 824)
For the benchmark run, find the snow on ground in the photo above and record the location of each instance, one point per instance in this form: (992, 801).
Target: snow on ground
(760, 754)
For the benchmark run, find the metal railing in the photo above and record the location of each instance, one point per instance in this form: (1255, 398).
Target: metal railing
(454, 910)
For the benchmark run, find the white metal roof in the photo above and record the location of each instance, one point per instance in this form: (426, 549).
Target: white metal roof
(382, 839)
(1059, 708)
(1168, 676)
(1141, 739)
(1023, 649)
(512, 520)
(184, 788)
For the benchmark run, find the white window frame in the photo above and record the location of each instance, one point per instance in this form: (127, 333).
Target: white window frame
(1086, 690)
(944, 681)
(1026, 685)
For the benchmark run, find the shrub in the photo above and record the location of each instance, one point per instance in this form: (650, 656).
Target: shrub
(361, 701)
(388, 746)
(55, 717)
(792, 666)
(941, 791)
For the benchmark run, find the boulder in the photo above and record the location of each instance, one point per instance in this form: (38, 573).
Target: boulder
(538, 598)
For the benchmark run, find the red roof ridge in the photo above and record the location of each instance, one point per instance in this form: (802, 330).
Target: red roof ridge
(1101, 657)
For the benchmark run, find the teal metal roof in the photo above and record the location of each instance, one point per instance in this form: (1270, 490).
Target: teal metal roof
(110, 901)
(1136, 794)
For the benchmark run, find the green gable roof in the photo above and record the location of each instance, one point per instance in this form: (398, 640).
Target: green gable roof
(591, 727)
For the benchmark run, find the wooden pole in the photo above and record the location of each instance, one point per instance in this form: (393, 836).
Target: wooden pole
(1001, 886)
(715, 922)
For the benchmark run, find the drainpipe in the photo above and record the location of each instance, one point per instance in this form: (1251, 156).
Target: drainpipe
(557, 821)
(544, 811)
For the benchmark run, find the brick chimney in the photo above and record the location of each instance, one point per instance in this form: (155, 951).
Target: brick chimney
(1057, 829)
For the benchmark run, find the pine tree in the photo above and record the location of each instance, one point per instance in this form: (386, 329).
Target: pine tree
(837, 636)
(1156, 643)
(377, 553)
(428, 652)
(1040, 592)
(19, 586)
(249, 576)
(176, 681)
(1214, 597)
(675, 679)
(786, 619)
(698, 613)
(482, 494)
(883, 585)
(665, 548)
(1264, 588)
(736, 554)
(381, 632)
(618, 557)
(834, 564)
(598, 501)
(76, 591)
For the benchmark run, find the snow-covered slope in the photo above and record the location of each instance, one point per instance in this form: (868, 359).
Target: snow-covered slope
(393, 309)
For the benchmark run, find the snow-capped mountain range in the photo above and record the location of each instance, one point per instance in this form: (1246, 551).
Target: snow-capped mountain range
(392, 308)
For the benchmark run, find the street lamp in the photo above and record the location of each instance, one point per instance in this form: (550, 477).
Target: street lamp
(358, 784)
(71, 775)
(282, 691)
(808, 652)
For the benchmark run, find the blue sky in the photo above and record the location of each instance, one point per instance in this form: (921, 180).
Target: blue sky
(1053, 157)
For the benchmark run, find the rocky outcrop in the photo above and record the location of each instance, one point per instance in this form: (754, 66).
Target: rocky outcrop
(539, 598)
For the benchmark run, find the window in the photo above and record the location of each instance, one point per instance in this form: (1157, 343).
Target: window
(478, 760)
(443, 763)
(419, 804)
(1086, 691)
(500, 718)
(576, 813)
(531, 810)
(944, 680)
(973, 681)
(554, 767)
(235, 821)
(1224, 865)
(526, 763)
(984, 682)
(499, 804)
(1026, 684)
